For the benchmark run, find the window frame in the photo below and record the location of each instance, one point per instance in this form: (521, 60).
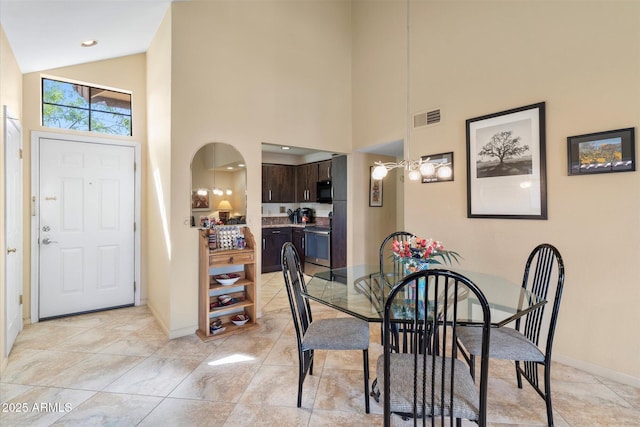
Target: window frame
(91, 88)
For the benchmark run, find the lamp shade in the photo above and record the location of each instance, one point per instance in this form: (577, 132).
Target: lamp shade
(224, 206)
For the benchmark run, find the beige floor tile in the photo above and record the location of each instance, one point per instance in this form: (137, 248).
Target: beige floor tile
(137, 344)
(320, 418)
(91, 341)
(43, 336)
(99, 411)
(36, 367)
(42, 406)
(219, 380)
(267, 416)
(284, 353)
(341, 390)
(94, 372)
(592, 405)
(188, 347)
(283, 379)
(155, 376)
(184, 412)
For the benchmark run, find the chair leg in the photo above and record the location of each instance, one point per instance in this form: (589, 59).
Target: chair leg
(311, 364)
(547, 392)
(518, 374)
(365, 356)
(300, 381)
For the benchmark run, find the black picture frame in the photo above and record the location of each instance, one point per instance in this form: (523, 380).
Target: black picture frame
(375, 191)
(506, 164)
(439, 159)
(602, 152)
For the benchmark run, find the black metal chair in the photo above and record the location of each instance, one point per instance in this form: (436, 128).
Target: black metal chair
(522, 343)
(390, 266)
(324, 334)
(429, 381)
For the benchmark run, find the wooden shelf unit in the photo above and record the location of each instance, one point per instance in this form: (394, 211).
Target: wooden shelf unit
(245, 289)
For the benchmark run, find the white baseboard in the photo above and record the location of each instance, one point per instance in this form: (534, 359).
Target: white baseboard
(607, 373)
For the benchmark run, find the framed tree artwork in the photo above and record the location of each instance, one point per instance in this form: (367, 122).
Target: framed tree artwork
(506, 167)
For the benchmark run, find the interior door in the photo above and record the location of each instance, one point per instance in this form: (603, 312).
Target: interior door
(13, 230)
(86, 227)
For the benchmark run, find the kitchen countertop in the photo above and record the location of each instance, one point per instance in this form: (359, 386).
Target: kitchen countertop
(286, 225)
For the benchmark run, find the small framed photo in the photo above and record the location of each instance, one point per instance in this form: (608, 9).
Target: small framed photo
(602, 152)
(506, 164)
(200, 200)
(375, 191)
(442, 168)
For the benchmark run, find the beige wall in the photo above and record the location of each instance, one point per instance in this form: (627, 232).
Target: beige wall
(245, 73)
(476, 58)
(11, 96)
(159, 172)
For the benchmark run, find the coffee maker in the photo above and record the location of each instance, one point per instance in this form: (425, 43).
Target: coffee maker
(306, 216)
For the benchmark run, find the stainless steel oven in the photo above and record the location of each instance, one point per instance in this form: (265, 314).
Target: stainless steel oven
(317, 249)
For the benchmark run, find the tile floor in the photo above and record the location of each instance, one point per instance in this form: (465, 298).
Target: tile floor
(117, 368)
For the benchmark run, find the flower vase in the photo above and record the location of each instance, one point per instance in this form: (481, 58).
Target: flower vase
(412, 267)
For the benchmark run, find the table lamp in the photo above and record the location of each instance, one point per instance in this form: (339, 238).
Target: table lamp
(224, 207)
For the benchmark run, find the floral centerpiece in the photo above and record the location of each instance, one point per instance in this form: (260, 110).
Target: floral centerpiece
(416, 254)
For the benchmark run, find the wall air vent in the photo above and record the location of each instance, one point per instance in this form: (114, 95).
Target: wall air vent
(426, 118)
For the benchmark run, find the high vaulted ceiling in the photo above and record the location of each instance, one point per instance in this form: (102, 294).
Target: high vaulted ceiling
(46, 34)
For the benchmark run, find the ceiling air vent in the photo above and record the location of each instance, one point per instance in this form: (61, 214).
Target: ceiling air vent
(426, 118)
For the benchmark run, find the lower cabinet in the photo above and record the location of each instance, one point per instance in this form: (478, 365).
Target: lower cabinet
(272, 241)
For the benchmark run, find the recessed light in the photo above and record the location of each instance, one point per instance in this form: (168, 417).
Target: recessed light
(229, 167)
(89, 43)
(240, 165)
(285, 147)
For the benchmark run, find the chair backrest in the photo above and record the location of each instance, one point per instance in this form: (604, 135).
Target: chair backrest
(543, 269)
(430, 379)
(390, 267)
(295, 284)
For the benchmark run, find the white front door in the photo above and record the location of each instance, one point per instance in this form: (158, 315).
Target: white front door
(13, 229)
(86, 226)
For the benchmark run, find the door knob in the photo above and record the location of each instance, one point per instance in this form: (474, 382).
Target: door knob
(48, 241)
(9, 250)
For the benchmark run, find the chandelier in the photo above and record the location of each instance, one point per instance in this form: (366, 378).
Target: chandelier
(417, 169)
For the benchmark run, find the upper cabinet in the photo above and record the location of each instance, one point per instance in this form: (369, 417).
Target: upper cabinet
(324, 170)
(278, 183)
(306, 180)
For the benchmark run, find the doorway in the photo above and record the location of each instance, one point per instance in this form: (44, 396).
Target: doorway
(14, 255)
(85, 225)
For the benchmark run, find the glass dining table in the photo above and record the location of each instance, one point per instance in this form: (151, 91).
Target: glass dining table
(361, 292)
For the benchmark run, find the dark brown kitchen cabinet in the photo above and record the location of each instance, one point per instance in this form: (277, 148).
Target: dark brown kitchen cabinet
(272, 241)
(324, 170)
(306, 180)
(278, 183)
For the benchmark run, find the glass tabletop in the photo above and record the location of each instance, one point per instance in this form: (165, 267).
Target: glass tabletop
(361, 292)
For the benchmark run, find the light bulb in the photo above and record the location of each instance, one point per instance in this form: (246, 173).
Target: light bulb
(445, 172)
(379, 172)
(229, 192)
(202, 192)
(427, 169)
(414, 175)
